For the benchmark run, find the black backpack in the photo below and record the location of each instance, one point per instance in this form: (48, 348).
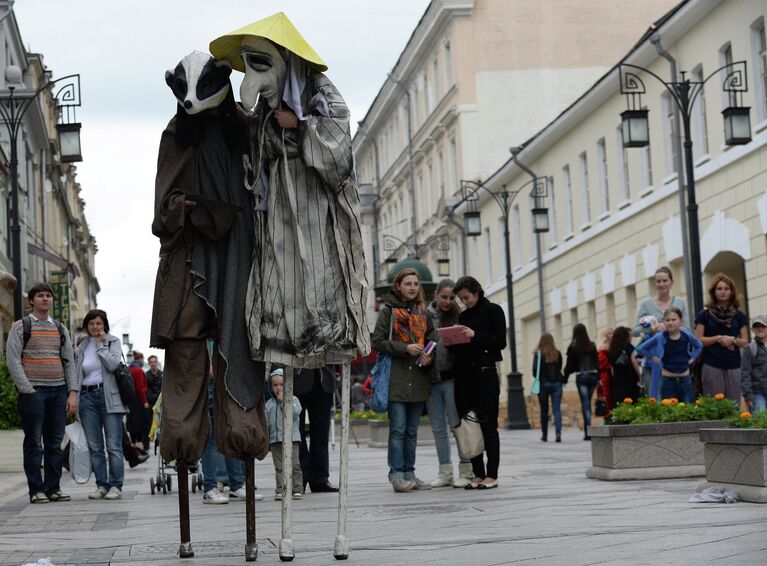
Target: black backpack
(27, 326)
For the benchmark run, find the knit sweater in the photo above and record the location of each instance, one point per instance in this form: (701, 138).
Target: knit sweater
(44, 361)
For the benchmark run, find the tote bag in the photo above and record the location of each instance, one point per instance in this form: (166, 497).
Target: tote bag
(79, 455)
(535, 389)
(468, 437)
(381, 374)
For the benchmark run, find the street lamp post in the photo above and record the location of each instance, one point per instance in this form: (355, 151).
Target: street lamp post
(636, 133)
(516, 414)
(13, 107)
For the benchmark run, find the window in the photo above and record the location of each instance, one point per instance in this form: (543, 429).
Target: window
(610, 310)
(669, 133)
(585, 201)
(517, 224)
(435, 90)
(604, 187)
(623, 164)
(453, 166)
(568, 194)
(431, 198)
(645, 158)
(428, 87)
(421, 199)
(552, 212)
(448, 64)
(700, 125)
(725, 58)
(759, 57)
(441, 173)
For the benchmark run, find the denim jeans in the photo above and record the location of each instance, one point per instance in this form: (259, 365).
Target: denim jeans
(443, 417)
(551, 389)
(587, 383)
(216, 467)
(682, 389)
(98, 424)
(43, 417)
(403, 436)
(760, 402)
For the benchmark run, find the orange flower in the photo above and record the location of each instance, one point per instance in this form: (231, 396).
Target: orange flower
(666, 402)
(628, 400)
(698, 402)
(674, 401)
(651, 400)
(745, 415)
(719, 396)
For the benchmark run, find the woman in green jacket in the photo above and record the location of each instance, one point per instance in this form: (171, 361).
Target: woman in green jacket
(403, 330)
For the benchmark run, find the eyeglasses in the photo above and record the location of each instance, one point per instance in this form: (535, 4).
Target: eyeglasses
(758, 326)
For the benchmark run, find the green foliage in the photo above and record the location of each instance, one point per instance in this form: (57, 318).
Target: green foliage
(369, 415)
(9, 410)
(648, 410)
(745, 420)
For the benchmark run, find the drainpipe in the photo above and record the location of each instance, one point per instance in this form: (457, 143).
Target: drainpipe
(655, 40)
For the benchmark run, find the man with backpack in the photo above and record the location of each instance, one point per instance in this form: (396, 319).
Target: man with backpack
(753, 367)
(41, 363)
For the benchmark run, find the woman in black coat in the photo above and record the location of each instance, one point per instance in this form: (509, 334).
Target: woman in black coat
(477, 386)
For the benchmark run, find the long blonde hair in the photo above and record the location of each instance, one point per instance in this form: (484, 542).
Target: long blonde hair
(547, 348)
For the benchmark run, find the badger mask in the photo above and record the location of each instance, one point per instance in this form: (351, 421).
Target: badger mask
(265, 71)
(199, 82)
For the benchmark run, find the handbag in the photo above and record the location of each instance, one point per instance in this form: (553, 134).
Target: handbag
(79, 455)
(381, 374)
(600, 406)
(125, 384)
(535, 389)
(468, 437)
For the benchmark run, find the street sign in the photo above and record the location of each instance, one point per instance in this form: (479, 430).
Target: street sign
(60, 285)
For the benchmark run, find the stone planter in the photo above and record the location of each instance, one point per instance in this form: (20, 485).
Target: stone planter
(736, 459)
(648, 451)
(11, 454)
(379, 434)
(359, 431)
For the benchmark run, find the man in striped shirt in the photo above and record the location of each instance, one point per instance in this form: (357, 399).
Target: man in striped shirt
(41, 364)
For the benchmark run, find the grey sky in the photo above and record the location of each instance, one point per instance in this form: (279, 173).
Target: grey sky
(122, 49)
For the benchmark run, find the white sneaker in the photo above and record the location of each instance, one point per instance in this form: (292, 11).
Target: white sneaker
(241, 495)
(114, 493)
(215, 497)
(98, 494)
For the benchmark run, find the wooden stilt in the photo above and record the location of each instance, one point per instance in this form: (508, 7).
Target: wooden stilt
(341, 547)
(251, 547)
(286, 541)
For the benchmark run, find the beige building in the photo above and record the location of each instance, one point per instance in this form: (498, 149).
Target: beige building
(615, 212)
(475, 77)
(54, 231)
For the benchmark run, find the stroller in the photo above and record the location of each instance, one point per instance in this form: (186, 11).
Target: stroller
(165, 470)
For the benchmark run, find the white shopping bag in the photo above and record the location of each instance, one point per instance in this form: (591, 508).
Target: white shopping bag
(79, 455)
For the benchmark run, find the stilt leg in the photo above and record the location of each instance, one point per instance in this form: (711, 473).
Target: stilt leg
(185, 548)
(286, 541)
(251, 547)
(341, 548)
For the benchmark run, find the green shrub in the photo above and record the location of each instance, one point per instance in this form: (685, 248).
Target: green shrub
(648, 410)
(746, 420)
(9, 409)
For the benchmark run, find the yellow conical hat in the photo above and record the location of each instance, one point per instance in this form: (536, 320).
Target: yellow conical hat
(277, 28)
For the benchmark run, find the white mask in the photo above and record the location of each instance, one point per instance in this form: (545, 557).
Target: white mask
(264, 73)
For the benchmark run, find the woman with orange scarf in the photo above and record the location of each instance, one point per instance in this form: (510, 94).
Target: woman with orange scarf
(402, 330)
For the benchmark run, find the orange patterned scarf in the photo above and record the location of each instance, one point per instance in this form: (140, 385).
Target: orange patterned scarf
(409, 325)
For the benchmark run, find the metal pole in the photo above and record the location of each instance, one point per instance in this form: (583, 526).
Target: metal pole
(341, 547)
(12, 126)
(539, 269)
(509, 284)
(692, 217)
(251, 546)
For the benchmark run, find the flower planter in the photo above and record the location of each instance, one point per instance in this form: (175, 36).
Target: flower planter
(379, 434)
(736, 459)
(648, 451)
(11, 453)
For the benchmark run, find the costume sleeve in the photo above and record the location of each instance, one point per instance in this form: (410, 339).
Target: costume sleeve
(13, 351)
(325, 137)
(496, 338)
(381, 336)
(174, 181)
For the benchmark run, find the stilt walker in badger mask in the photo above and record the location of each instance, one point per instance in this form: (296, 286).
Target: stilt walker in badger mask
(307, 289)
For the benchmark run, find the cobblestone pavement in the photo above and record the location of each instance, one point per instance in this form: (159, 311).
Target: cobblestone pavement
(545, 512)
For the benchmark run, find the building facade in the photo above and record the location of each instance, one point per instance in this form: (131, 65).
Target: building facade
(614, 212)
(56, 243)
(475, 77)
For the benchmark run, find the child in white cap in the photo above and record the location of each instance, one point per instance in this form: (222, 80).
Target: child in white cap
(753, 367)
(274, 422)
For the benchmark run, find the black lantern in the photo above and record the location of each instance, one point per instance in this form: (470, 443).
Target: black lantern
(635, 128)
(69, 142)
(472, 223)
(540, 220)
(443, 267)
(737, 125)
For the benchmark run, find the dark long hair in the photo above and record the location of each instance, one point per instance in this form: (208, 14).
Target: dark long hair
(96, 313)
(621, 337)
(581, 343)
(447, 318)
(470, 284)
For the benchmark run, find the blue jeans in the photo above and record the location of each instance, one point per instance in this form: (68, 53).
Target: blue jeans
(443, 417)
(680, 388)
(587, 383)
(43, 418)
(216, 467)
(98, 424)
(403, 436)
(551, 389)
(760, 403)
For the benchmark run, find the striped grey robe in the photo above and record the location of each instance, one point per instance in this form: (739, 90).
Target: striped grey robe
(307, 289)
